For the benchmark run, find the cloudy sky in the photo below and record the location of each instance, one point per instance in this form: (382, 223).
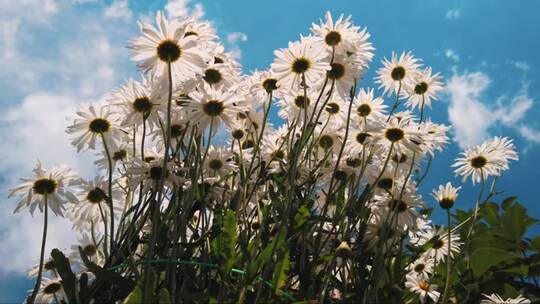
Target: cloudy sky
(55, 54)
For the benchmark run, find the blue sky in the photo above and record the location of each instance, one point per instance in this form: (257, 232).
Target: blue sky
(55, 54)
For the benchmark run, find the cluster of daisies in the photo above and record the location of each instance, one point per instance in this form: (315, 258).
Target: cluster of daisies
(157, 139)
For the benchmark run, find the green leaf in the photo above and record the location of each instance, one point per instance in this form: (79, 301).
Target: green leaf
(164, 297)
(490, 213)
(135, 297)
(227, 243)
(535, 243)
(508, 202)
(280, 273)
(484, 258)
(69, 281)
(125, 286)
(301, 217)
(516, 221)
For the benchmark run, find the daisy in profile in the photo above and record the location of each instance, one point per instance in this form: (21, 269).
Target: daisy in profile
(434, 136)
(302, 59)
(496, 299)
(488, 159)
(367, 108)
(91, 124)
(446, 195)
(425, 89)
(51, 186)
(219, 162)
(423, 288)
(51, 291)
(213, 105)
(48, 266)
(398, 74)
(140, 101)
(203, 30)
(168, 44)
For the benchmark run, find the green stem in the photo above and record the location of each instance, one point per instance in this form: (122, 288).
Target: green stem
(110, 199)
(448, 260)
(43, 240)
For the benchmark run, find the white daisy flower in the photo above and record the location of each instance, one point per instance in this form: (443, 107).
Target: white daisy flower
(219, 162)
(149, 173)
(89, 248)
(93, 206)
(302, 59)
(488, 159)
(51, 291)
(156, 48)
(261, 84)
(439, 244)
(140, 101)
(213, 105)
(203, 30)
(434, 136)
(342, 35)
(421, 268)
(220, 75)
(446, 195)
(367, 108)
(344, 72)
(398, 74)
(48, 266)
(297, 105)
(402, 134)
(335, 111)
(496, 299)
(423, 288)
(50, 185)
(91, 124)
(425, 89)
(120, 153)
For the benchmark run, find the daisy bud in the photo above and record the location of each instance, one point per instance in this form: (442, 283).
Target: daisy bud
(446, 195)
(343, 250)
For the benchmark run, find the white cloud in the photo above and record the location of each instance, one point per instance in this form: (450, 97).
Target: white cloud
(530, 134)
(472, 118)
(236, 36)
(453, 14)
(46, 76)
(451, 54)
(119, 9)
(520, 65)
(33, 130)
(469, 116)
(184, 8)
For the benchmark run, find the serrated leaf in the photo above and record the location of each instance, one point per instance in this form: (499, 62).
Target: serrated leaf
(484, 258)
